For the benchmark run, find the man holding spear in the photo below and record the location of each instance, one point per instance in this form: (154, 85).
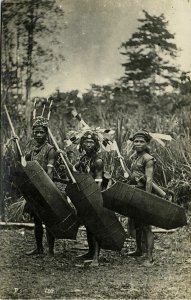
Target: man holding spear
(90, 163)
(41, 151)
(145, 173)
(44, 153)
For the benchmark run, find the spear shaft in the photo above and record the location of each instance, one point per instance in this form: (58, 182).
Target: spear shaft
(63, 159)
(126, 172)
(23, 161)
(48, 117)
(34, 111)
(56, 145)
(83, 123)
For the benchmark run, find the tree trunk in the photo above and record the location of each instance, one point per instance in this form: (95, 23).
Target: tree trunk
(2, 204)
(30, 25)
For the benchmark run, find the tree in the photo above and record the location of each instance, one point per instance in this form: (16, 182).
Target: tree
(185, 84)
(31, 30)
(150, 55)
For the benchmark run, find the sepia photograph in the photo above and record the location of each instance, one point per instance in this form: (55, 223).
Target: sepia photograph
(95, 196)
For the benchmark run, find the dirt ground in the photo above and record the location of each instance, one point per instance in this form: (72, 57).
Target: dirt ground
(118, 276)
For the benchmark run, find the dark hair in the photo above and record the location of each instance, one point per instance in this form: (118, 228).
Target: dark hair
(143, 133)
(44, 127)
(89, 135)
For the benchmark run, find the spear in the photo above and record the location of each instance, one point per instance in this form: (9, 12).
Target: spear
(113, 144)
(43, 110)
(126, 171)
(49, 112)
(61, 155)
(34, 111)
(23, 161)
(56, 144)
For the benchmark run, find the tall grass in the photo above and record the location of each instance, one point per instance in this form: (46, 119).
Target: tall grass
(173, 168)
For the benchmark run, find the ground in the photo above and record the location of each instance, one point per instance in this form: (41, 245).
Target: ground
(118, 276)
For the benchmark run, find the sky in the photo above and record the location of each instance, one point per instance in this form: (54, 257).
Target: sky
(95, 31)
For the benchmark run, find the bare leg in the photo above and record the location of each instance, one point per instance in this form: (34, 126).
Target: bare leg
(91, 242)
(38, 232)
(138, 251)
(144, 243)
(50, 240)
(95, 261)
(150, 244)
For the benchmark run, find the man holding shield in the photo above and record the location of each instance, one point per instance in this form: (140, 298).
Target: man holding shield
(90, 163)
(41, 151)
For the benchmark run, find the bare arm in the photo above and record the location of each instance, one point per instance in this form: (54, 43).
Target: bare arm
(149, 175)
(51, 161)
(99, 172)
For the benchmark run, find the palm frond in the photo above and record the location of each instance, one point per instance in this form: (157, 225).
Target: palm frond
(16, 210)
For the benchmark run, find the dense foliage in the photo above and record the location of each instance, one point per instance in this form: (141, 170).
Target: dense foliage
(31, 31)
(122, 106)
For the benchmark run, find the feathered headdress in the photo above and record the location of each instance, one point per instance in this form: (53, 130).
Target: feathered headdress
(105, 143)
(41, 120)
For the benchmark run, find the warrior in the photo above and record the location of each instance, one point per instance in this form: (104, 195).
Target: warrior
(90, 163)
(142, 168)
(44, 153)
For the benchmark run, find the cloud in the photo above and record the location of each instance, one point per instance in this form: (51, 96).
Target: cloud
(96, 29)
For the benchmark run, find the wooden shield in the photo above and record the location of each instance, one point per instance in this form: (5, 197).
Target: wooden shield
(47, 201)
(103, 223)
(148, 208)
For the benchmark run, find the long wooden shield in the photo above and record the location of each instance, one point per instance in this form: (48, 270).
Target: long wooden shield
(103, 223)
(148, 208)
(48, 202)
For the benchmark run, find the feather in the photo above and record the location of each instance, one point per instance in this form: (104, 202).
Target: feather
(161, 136)
(106, 131)
(74, 139)
(108, 145)
(105, 143)
(159, 141)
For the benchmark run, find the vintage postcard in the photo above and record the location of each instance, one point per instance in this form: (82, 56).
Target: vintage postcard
(95, 149)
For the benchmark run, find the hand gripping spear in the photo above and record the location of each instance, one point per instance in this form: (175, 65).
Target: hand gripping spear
(61, 155)
(23, 161)
(114, 145)
(126, 171)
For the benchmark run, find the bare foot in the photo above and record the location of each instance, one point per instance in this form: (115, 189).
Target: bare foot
(135, 253)
(148, 263)
(94, 263)
(87, 261)
(36, 251)
(85, 256)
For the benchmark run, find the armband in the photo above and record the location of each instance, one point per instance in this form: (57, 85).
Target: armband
(98, 180)
(74, 169)
(51, 166)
